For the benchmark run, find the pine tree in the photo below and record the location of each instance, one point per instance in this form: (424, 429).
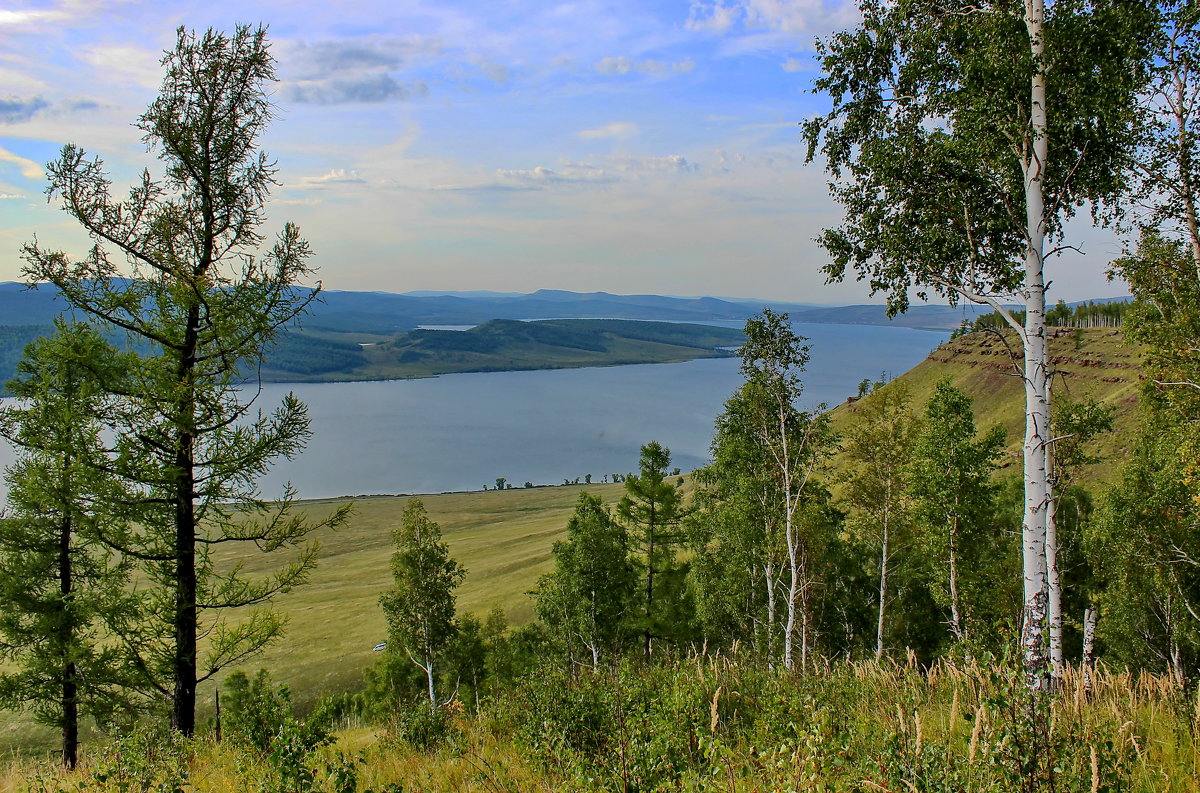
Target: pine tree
(178, 266)
(652, 508)
(60, 585)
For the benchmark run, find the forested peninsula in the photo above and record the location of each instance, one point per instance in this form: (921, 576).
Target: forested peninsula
(496, 346)
(321, 355)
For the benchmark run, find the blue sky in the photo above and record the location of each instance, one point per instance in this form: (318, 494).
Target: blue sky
(616, 145)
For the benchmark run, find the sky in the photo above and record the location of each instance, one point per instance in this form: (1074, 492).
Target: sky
(628, 146)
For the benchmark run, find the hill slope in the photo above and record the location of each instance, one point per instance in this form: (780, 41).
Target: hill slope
(1092, 362)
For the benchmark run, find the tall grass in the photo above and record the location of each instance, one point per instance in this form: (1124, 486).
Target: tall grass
(718, 723)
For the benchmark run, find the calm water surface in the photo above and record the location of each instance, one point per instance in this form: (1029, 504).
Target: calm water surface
(459, 432)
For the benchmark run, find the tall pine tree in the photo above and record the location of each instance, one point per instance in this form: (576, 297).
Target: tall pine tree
(61, 586)
(179, 265)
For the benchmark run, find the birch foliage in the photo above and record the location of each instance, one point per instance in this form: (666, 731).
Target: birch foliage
(419, 607)
(962, 137)
(589, 599)
(876, 449)
(790, 444)
(951, 472)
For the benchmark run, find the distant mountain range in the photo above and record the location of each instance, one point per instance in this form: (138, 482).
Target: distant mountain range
(388, 313)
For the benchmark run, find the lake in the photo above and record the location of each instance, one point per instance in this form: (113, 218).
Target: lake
(462, 431)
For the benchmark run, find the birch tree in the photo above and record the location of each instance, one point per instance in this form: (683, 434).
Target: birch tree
(736, 531)
(793, 443)
(590, 596)
(419, 607)
(179, 265)
(1075, 424)
(951, 473)
(962, 137)
(877, 449)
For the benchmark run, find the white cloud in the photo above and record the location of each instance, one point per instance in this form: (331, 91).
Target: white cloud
(671, 163)
(58, 12)
(566, 173)
(620, 64)
(715, 17)
(335, 176)
(801, 18)
(620, 130)
(793, 65)
(138, 65)
(11, 18)
(614, 65)
(5, 196)
(28, 168)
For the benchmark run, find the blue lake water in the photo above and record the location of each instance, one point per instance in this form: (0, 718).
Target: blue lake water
(460, 432)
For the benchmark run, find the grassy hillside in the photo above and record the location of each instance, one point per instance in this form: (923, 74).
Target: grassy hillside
(503, 538)
(1093, 362)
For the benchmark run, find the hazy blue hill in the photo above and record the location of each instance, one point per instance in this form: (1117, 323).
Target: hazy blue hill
(386, 313)
(382, 312)
(13, 339)
(20, 305)
(917, 316)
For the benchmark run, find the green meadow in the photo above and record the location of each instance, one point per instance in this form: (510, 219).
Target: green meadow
(502, 538)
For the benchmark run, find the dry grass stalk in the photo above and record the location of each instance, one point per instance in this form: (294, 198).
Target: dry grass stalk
(714, 715)
(980, 718)
(954, 712)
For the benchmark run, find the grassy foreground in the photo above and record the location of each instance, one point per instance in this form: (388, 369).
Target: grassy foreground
(711, 724)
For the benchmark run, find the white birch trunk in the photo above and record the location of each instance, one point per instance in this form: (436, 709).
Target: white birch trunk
(883, 576)
(769, 573)
(1037, 393)
(956, 621)
(432, 696)
(805, 613)
(793, 592)
(1089, 650)
(790, 499)
(1053, 579)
